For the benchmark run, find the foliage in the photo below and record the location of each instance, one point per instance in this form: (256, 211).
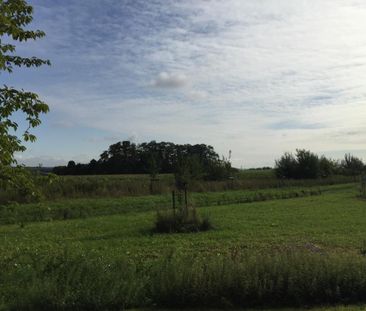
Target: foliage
(153, 166)
(286, 166)
(12, 100)
(328, 167)
(200, 161)
(305, 165)
(352, 165)
(20, 183)
(15, 15)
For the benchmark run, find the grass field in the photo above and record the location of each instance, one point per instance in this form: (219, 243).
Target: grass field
(87, 207)
(120, 186)
(325, 233)
(334, 221)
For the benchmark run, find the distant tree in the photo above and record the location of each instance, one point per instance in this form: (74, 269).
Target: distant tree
(219, 170)
(352, 165)
(307, 164)
(328, 167)
(152, 163)
(93, 166)
(152, 158)
(286, 166)
(71, 164)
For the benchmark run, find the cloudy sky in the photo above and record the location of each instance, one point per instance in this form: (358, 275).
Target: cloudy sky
(255, 77)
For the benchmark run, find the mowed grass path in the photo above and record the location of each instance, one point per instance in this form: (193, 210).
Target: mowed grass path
(331, 222)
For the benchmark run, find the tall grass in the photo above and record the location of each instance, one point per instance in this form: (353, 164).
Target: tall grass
(79, 281)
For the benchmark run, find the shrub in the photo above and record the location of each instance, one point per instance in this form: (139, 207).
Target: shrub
(175, 221)
(304, 165)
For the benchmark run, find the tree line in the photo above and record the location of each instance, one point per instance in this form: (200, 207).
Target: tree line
(306, 164)
(199, 161)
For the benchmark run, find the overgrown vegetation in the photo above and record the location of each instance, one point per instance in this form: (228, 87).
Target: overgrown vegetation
(83, 281)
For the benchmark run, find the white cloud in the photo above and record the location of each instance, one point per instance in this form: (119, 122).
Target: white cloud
(44, 161)
(170, 80)
(240, 66)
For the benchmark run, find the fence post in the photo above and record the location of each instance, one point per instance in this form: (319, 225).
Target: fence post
(173, 200)
(185, 198)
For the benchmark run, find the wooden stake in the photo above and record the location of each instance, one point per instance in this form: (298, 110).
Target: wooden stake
(173, 199)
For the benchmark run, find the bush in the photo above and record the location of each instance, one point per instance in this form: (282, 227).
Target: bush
(305, 165)
(181, 221)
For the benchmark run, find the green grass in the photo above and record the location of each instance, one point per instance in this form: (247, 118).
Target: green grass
(327, 230)
(70, 280)
(324, 308)
(255, 174)
(82, 208)
(333, 221)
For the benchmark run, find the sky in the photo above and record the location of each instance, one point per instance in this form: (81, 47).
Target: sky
(256, 77)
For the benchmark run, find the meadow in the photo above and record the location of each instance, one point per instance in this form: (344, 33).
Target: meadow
(202, 234)
(277, 247)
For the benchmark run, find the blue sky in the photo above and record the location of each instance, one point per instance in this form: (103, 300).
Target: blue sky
(255, 77)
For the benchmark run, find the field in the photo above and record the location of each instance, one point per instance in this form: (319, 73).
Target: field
(276, 247)
(116, 186)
